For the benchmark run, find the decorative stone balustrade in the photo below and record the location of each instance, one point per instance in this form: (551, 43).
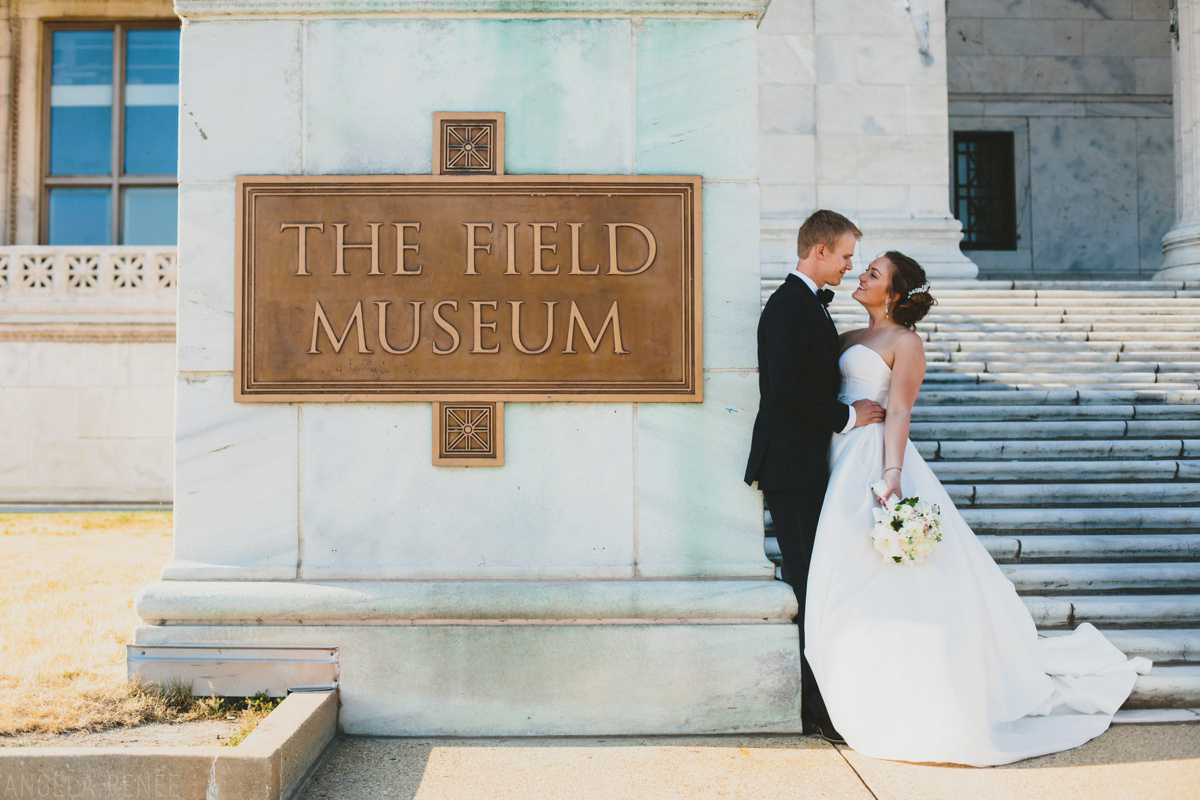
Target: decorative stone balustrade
(94, 294)
(41, 279)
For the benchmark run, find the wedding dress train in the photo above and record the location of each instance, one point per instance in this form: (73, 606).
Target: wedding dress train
(939, 660)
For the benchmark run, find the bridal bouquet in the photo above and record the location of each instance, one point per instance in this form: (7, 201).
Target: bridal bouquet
(905, 530)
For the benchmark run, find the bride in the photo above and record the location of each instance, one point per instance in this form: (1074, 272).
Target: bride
(938, 660)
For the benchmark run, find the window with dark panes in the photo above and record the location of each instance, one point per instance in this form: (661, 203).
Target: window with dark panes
(111, 134)
(984, 189)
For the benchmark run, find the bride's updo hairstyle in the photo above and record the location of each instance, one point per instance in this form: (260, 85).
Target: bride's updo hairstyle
(908, 281)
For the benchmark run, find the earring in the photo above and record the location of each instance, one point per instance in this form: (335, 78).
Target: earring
(887, 306)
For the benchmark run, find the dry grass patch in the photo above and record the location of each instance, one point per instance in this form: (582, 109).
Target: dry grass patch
(67, 583)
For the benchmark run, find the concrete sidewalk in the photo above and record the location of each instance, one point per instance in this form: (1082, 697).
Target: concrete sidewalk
(1155, 762)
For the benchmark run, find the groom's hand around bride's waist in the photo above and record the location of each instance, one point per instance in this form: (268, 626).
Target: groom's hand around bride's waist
(867, 412)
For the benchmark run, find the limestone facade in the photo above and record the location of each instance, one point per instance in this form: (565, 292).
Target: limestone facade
(856, 109)
(860, 102)
(87, 352)
(853, 99)
(1086, 90)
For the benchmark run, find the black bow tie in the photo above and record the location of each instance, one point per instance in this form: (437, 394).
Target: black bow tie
(824, 296)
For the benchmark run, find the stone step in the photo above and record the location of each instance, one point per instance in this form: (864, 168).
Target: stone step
(1141, 493)
(1097, 520)
(1132, 345)
(1115, 377)
(1055, 334)
(1144, 412)
(843, 296)
(1057, 429)
(993, 413)
(1124, 287)
(1056, 343)
(1095, 456)
(1070, 551)
(1034, 328)
(1118, 288)
(1115, 611)
(1174, 338)
(1109, 364)
(1185, 359)
(1091, 547)
(845, 317)
(974, 371)
(1051, 329)
(1050, 348)
(1084, 303)
(1115, 294)
(1019, 285)
(1170, 686)
(967, 397)
(1102, 363)
(1000, 300)
(1156, 716)
(1048, 592)
(1159, 411)
(1160, 645)
(1085, 578)
(959, 472)
(1063, 385)
(999, 312)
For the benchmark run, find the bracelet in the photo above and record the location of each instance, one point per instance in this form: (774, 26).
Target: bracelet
(889, 469)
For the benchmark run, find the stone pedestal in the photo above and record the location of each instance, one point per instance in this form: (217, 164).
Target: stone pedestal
(1181, 245)
(610, 578)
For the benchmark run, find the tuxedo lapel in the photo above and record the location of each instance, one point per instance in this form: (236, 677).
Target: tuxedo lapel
(826, 323)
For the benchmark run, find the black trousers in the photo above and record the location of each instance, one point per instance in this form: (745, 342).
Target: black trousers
(795, 516)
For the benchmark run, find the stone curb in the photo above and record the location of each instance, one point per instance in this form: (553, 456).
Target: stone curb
(271, 764)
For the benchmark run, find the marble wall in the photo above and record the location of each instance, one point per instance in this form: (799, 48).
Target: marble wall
(348, 490)
(1085, 87)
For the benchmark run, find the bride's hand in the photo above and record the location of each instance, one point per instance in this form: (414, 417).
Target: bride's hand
(892, 479)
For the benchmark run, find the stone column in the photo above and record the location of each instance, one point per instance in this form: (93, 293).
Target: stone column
(875, 145)
(1181, 245)
(610, 578)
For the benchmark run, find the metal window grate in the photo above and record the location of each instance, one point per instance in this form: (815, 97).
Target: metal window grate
(984, 189)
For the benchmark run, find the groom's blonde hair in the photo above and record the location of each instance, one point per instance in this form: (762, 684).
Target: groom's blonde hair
(823, 227)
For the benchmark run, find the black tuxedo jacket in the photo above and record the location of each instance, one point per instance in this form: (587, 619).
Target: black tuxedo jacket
(798, 383)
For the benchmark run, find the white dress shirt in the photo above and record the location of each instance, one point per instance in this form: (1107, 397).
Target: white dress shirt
(812, 285)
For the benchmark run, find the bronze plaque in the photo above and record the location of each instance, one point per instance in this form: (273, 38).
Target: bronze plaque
(468, 434)
(518, 287)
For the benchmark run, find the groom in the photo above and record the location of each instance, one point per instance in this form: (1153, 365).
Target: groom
(799, 411)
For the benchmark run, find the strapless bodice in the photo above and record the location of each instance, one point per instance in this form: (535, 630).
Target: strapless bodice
(865, 375)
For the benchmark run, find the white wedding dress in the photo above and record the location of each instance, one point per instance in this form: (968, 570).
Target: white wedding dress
(939, 660)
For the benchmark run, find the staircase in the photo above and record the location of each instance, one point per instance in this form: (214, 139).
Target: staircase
(1064, 420)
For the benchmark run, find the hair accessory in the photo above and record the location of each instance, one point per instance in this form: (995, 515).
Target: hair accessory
(917, 290)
